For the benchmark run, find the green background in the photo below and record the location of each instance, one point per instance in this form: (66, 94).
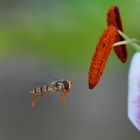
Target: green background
(61, 30)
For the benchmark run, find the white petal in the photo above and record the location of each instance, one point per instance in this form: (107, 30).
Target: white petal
(134, 91)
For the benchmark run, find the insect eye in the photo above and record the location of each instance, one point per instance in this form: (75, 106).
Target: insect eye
(66, 84)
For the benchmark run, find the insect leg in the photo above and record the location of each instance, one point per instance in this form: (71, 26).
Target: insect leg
(66, 93)
(62, 99)
(34, 102)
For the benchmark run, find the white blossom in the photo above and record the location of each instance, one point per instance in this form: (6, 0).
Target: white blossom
(134, 91)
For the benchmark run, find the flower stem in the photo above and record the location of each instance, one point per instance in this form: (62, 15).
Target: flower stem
(132, 42)
(128, 41)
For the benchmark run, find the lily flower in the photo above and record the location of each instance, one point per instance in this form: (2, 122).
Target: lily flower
(133, 82)
(134, 91)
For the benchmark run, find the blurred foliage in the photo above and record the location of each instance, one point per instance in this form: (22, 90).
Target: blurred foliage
(64, 32)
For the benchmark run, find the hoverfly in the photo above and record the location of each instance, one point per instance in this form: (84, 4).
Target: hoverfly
(61, 86)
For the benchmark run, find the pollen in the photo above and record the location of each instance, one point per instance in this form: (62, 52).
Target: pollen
(114, 18)
(101, 55)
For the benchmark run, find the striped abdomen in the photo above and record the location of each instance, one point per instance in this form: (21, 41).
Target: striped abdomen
(39, 90)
